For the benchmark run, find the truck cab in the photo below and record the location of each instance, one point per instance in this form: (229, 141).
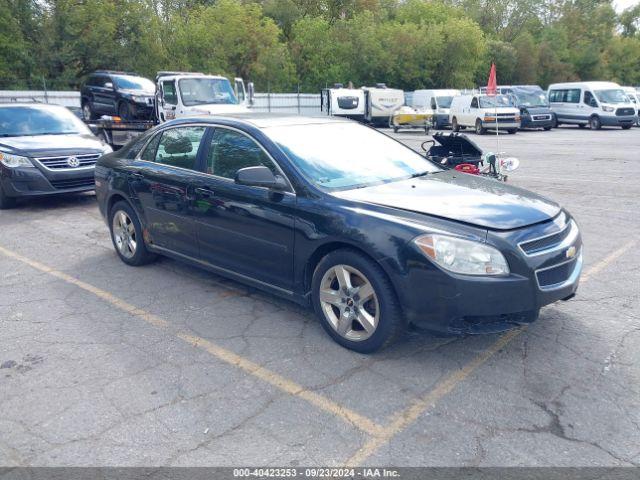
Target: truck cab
(183, 94)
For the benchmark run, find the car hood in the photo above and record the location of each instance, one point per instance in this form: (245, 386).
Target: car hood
(140, 93)
(460, 197)
(39, 145)
(216, 109)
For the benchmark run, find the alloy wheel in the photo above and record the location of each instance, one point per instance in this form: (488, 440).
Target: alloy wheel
(86, 111)
(124, 234)
(349, 303)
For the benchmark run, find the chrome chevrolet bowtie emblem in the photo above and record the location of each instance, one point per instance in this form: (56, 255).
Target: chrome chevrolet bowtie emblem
(571, 252)
(73, 162)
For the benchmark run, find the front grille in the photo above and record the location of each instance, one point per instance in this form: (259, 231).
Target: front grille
(539, 244)
(625, 111)
(555, 275)
(542, 117)
(73, 183)
(62, 162)
(510, 119)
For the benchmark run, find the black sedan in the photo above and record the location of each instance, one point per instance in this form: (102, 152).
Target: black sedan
(44, 149)
(333, 214)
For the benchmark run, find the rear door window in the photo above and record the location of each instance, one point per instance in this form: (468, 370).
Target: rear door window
(178, 147)
(573, 95)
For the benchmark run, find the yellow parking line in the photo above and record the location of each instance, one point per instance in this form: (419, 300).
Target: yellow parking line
(288, 386)
(408, 416)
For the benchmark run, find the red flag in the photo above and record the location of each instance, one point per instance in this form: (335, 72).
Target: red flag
(492, 85)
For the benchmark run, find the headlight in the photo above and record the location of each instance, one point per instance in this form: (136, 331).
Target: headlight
(14, 161)
(462, 256)
(106, 149)
(138, 99)
(608, 109)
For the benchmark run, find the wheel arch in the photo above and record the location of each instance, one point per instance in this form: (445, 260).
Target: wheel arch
(326, 248)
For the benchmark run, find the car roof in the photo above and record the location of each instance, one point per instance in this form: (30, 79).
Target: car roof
(32, 104)
(263, 120)
(593, 85)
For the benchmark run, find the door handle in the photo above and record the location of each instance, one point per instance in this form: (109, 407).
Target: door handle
(136, 176)
(205, 192)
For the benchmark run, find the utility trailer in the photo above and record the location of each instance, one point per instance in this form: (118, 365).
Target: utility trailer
(178, 94)
(116, 132)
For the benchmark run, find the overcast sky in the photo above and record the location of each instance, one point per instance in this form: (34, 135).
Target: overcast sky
(624, 4)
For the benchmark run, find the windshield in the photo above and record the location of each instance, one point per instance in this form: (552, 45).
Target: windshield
(444, 102)
(615, 95)
(39, 120)
(347, 155)
(536, 98)
(200, 91)
(491, 101)
(135, 83)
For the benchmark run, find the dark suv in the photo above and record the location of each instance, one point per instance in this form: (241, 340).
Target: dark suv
(124, 94)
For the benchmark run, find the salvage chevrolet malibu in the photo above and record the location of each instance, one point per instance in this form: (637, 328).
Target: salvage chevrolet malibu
(333, 214)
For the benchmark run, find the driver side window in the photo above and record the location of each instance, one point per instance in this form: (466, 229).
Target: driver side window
(474, 102)
(230, 151)
(589, 99)
(169, 92)
(433, 103)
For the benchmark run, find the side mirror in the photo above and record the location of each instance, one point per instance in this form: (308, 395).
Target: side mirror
(251, 93)
(260, 177)
(108, 85)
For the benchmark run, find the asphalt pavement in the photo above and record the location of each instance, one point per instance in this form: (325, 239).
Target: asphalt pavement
(105, 364)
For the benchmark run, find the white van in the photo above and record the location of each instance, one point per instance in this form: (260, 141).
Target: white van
(483, 112)
(437, 102)
(343, 102)
(380, 103)
(595, 104)
(634, 96)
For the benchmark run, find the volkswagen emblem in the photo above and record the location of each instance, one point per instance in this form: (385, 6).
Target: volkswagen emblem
(73, 162)
(571, 252)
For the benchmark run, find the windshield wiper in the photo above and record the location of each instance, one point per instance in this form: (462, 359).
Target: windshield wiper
(421, 174)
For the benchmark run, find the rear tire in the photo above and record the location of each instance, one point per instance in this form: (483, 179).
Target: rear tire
(626, 127)
(87, 111)
(594, 123)
(6, 202)
(480, 130)
(454, 125)
(127, 236)
(512, 131)
(546, 129)
(342, 275)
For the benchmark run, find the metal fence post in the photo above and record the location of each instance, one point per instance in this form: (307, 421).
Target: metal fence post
(298, 96)
(269, 97)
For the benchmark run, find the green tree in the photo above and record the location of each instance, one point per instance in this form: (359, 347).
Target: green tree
(621, 60)
(233, 39)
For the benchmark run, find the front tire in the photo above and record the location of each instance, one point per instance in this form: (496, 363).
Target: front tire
(512, 131)
(127, 236)
(125, 111)
(480, 130)
(6, 202)
(626, 127)
(594, 123)
(454, 125)
(355, 301)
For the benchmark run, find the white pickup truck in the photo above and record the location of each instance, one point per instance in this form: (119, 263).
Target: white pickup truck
(180, 94)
